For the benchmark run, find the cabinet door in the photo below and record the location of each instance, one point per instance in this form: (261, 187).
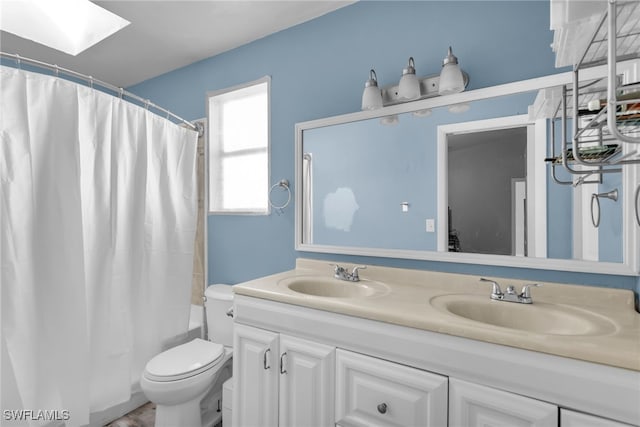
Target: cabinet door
(307, 383)
(474, 405)
(255, 377)
(373, 392)
(577, 419)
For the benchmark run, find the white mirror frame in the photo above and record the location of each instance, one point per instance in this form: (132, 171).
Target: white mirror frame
(631, 254)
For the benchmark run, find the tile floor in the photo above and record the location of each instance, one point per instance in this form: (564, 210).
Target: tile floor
(144, 416)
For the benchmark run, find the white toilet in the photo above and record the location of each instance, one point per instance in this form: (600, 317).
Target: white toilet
(185, 382)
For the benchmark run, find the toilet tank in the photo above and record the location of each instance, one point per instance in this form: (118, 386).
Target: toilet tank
(220, 325)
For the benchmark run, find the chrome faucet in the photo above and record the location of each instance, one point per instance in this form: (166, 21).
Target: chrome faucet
(510, 294)
(341, 273)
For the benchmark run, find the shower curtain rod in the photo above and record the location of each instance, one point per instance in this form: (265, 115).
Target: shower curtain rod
(93, 81)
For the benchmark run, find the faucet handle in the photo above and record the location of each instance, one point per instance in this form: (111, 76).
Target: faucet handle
(495, 290)
(526, 293)
(354, 272)
(337, 269)
(339, 272)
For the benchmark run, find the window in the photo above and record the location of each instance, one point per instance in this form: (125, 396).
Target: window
(239, 149)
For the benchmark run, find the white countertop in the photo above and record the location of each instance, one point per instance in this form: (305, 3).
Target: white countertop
(408, 303)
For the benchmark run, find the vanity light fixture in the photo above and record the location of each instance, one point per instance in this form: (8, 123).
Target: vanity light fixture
(451, 79)
(371, 97)
(411, 88)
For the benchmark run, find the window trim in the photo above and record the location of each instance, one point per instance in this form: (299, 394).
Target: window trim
(209, 95)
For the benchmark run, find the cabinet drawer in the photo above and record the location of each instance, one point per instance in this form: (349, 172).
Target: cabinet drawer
(373, 392)
(474, 405)
(576, 419)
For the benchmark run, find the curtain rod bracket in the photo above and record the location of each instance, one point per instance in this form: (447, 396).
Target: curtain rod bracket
(199, 128)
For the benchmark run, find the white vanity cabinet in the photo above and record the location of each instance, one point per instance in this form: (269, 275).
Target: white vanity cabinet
(473, 405)
(371, 392)
(281, 380)
(348, 371)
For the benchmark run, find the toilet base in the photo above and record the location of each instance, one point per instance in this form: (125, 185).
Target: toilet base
(203, 411)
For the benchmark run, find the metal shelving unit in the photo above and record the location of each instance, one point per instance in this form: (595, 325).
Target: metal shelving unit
(604, 114)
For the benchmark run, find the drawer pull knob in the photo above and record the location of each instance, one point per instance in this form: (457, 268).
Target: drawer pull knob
(382, 408)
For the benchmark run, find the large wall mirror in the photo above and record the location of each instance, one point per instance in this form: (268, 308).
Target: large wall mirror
(461, 178)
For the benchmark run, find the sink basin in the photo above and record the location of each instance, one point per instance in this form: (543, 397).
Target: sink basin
(333, 288)
(539, 317)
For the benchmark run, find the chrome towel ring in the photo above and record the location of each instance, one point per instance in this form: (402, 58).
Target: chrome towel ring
(595, 200)
(283, 183)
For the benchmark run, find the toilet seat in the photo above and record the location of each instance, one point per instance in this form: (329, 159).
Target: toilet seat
(185, 360)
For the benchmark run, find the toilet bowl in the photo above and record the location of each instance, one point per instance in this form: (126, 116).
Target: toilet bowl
(180, 379)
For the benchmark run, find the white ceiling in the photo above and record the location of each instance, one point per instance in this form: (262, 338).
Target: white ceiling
(167, 34)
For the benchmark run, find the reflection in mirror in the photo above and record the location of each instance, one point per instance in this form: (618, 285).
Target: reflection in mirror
(362, 172)
(501, 200)
(489, 216)
(574, 234)
(471, 180)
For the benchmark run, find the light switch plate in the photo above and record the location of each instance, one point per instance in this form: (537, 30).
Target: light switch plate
(431, 225)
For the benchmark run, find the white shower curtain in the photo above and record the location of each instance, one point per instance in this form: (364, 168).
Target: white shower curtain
(98, 220)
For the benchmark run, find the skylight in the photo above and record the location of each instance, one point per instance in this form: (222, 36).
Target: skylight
(70, 26)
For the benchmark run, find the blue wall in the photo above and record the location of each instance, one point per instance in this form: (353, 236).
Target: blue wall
(318, 69)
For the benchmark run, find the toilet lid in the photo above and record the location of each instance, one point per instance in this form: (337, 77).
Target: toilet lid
(184, 360)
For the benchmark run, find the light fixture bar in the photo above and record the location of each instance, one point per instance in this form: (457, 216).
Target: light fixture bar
(429, 87)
